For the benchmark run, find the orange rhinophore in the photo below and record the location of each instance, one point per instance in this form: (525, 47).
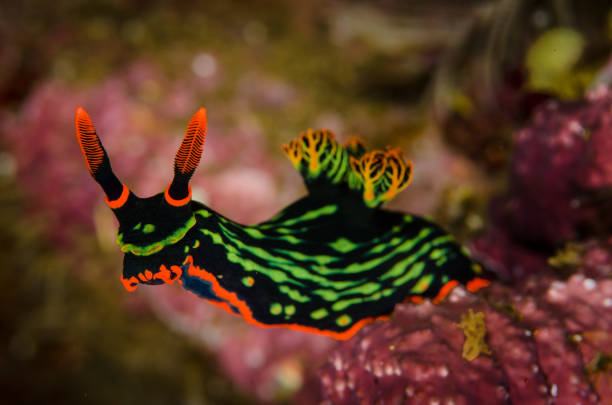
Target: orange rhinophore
(88, 141)
(190, 151)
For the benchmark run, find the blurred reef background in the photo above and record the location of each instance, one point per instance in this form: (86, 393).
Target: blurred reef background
(505, 108)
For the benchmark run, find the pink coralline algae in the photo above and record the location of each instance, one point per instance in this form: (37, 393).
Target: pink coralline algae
(544, 338)
(561, 164)
(560, 187)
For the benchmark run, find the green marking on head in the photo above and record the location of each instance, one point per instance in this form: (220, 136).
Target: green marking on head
(136, 227)
(148, 228)
(152, 248)
(343, 320)
(276, 308)
(343, 245)
(423, 284)
(319, 313)
(186, 250)
(445, 279)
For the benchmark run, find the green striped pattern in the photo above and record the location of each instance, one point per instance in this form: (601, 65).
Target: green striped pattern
(305, 267)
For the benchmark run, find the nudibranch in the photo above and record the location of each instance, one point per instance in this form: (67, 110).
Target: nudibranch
(329, 263)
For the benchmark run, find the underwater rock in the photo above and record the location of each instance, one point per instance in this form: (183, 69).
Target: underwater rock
(561, 165)
(545, 337)
(560, 188)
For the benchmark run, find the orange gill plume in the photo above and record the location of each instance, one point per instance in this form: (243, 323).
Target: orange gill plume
(398, 174)
(369, 168)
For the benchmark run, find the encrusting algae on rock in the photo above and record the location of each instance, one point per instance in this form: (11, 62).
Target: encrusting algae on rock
(475, 330)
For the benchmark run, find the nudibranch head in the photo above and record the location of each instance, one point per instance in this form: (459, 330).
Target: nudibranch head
(147, 226)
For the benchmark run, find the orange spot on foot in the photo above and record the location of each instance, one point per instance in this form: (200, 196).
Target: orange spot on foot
(177, 270)
(164, 274)
(446, 288)
(416, 299)
(476, 284)
(130, 284)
